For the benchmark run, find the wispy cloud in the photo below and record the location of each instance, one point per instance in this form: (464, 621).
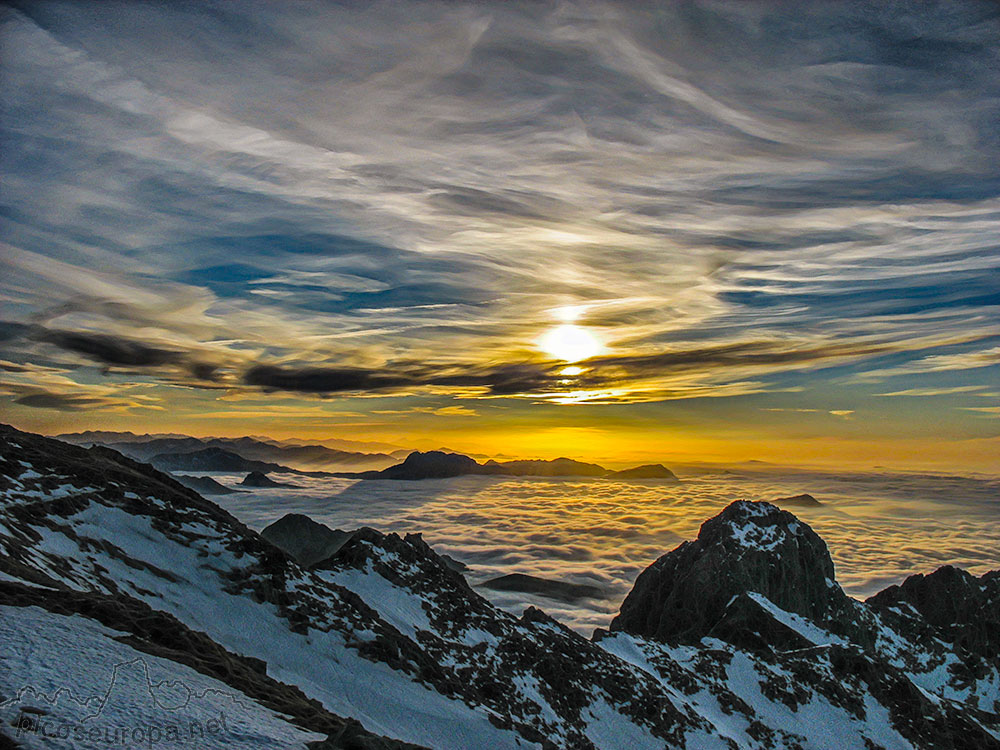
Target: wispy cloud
(928, 392)
(399, 198)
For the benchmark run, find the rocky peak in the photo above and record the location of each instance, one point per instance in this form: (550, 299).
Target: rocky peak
(751, 547)
(963, 610)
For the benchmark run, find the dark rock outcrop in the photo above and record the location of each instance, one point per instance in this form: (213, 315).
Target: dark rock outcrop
(559, 590)
(457, 565)
(305, 540)
(646, 471)
(964, 610)
(798, 501)
(260, 479)
(205, 485)
(749, 547)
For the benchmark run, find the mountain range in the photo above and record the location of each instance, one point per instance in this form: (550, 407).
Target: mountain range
(171, 452)
(123, 591)
(299, 457)
(441, 465)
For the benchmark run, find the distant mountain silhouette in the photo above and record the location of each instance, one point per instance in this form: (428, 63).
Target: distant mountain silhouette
(441, 465)
(798, 501)
(559, 467)
(302, 456)
(430, 465)
(212, 459)
(260, 479)
(647, 471)
(205, 485)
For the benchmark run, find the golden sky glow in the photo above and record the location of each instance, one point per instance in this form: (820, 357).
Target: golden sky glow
(590, 230)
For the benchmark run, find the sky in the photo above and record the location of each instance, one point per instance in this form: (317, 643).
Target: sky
(616, 231)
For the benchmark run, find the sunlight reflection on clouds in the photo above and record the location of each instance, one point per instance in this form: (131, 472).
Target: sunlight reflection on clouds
(879, 528)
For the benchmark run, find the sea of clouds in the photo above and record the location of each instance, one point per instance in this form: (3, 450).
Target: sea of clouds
(879, 527)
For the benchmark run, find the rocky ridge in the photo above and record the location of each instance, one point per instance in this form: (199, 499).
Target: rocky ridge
(383, 639)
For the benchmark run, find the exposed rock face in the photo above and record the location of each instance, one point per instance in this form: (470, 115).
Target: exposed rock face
(749, 547)
(559, 590)
(260, 479)
(305, 540)
(798, 501)
(963, 609)
(646, 471)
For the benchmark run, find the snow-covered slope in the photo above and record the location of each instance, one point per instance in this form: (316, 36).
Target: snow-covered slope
(384, 640)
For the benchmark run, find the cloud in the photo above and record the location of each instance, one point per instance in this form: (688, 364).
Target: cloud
(993, 411)
(390, 183)
(691, 372)
(41, 387)
(62, 402)
(928, 392)
(880, 527)
(111, 350)
(504, 380)
(939, 363)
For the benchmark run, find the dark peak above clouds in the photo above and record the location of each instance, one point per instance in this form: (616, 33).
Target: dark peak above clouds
(646, 471)
(430, 465)
(963, 609)
(557, 467)
(205, 485)
(261, 479)
(805, 500)
(441, 465)
(749, 548)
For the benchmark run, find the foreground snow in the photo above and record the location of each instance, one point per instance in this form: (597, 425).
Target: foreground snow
(384, 633)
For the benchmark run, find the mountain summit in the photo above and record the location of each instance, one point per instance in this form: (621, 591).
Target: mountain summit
(751, 547)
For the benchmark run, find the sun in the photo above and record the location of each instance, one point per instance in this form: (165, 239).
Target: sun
(570, 343)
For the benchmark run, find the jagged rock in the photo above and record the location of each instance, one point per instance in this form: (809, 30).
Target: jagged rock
(798, 501)
(559, 590)
(305, 540)
(646, 471)
(260, 479)
(963, 609)
(749, 547)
